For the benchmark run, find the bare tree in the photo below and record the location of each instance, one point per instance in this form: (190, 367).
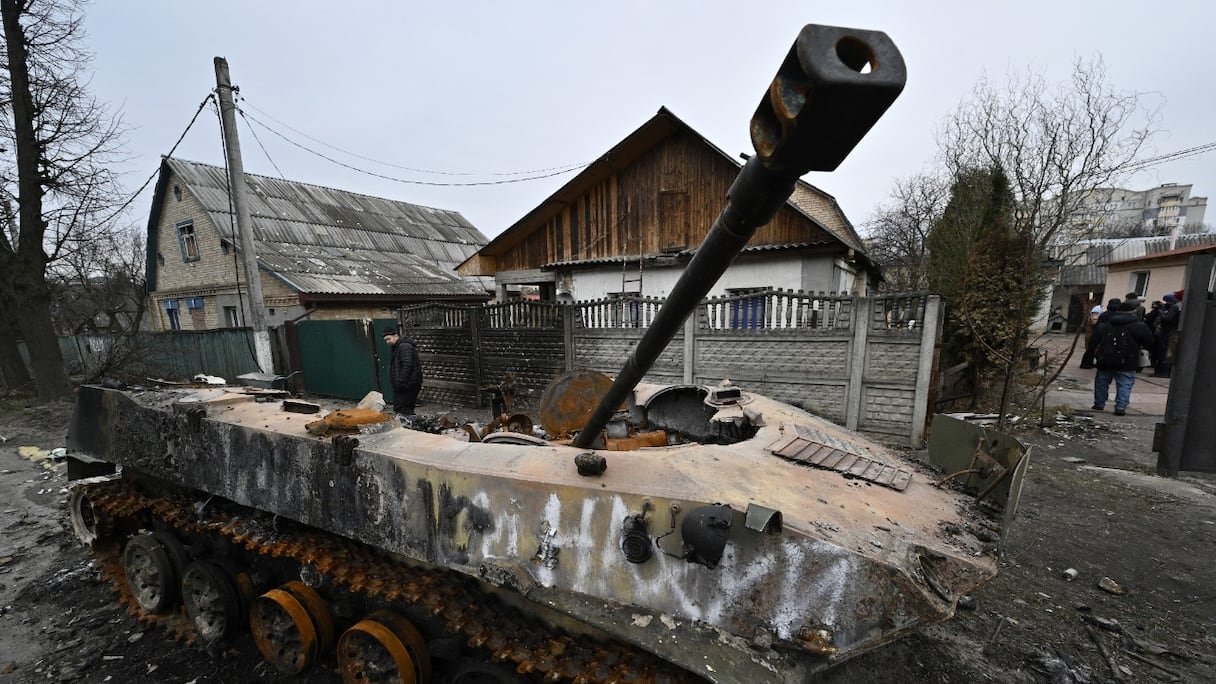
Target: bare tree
(98, 288)
(1057, 145)
(57, 142)
(898, 232)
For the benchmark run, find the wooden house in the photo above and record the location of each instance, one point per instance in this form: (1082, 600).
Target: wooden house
(322, 253)
(632, 219)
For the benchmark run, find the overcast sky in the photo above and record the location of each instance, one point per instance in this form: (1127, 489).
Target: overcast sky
(502, 87)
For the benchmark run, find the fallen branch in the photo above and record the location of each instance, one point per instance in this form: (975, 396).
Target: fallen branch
(1115, 675)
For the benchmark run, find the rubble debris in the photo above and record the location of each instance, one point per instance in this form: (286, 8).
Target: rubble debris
(1177, 676)
(1110, 586)
(967, 603)
(1070, 574)
(1058, 669)
(10, 668)
(209, 379)
(1073, 459)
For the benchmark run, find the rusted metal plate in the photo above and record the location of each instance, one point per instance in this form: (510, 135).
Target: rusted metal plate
(569, 400)
(822, 450)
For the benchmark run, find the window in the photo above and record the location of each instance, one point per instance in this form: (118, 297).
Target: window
(230, 317)
(170, 305)
(194, 303)
(1139, 283)
(189, 244)
(177, 192)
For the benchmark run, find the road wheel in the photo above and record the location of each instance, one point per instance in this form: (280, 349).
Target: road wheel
(292, 626)
(212, 602)
(150, 573)
(383, 648)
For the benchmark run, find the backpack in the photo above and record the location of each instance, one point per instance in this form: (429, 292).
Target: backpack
(1117, 349)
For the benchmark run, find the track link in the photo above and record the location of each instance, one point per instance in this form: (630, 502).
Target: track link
(507, 636)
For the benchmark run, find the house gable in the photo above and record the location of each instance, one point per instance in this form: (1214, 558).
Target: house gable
(657, 192)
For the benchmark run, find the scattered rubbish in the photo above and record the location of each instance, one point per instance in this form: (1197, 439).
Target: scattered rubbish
(1108, 624)
(152, 667)
(1110, 586)
(967, 603)
(58, 454)
(1070, 574)
(112, 657)
(300, 406)
(5, 560)
(209, 379)
(135, 637)
(1073, 459)
(372, 400)
(1058, 668)
(10, 668)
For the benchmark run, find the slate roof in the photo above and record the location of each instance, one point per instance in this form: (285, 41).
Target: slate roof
(323, 241)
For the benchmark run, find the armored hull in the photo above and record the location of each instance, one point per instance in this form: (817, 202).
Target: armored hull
(681, 533)
(771, 557)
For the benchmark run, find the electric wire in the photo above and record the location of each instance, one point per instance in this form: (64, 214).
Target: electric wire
(1172, 156)
(259, 142)
(565, 167)
(156, 173)
(395, 179)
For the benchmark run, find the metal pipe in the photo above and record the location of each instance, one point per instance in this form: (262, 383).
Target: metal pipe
(833, 86)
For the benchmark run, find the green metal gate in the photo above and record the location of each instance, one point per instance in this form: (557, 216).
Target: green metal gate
(345, 359)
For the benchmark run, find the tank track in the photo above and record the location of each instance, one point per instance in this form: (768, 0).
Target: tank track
(445, 594)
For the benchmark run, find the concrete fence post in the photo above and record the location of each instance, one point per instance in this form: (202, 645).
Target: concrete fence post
(930, 333)
(860, 320)
(690, 346)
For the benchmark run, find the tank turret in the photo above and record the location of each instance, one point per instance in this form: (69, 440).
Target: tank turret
(830, 90)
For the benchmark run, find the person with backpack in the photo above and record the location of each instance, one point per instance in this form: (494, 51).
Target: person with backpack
(1116, 345)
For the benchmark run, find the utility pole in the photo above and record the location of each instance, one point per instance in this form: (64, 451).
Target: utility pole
(244, 221)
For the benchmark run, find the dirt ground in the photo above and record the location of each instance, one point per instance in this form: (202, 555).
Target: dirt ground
(1090, 505)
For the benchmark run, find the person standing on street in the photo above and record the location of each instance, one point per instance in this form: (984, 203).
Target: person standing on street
(1167, 333)
(1116, 346)
(1135, 299)
(404, 372)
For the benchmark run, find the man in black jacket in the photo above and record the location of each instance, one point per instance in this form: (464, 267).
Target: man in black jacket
(1116, 345)
(404, 372)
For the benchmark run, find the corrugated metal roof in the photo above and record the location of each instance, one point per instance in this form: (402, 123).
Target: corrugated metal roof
(326, 241)
(1109, 250)
(683, 254)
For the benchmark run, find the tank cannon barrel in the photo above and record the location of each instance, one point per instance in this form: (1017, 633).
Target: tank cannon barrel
(833, 86)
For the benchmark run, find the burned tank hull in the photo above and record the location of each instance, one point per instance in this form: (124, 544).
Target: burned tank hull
(772, 557)
(681, 533)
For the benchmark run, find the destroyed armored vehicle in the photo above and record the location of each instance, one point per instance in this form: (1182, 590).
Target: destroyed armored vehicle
(664, 533)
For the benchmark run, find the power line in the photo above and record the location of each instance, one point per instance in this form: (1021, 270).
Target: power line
(394, 178)
(1172, 156)
(563, 168)
(157, 171)
(259, 142)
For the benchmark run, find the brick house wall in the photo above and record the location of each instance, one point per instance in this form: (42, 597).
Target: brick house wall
(205, 274)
